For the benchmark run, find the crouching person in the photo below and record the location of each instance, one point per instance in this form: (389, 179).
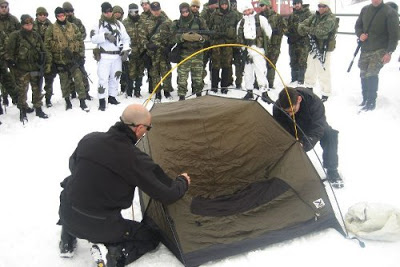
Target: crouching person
(106, 167)
(309, 113)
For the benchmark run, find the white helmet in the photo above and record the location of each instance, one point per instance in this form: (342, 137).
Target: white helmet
(144, 2)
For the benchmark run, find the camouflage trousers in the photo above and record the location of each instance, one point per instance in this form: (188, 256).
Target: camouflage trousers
(222, 57)
(194, 66)
(85, 81)
(370, 63)
(66, 75)
(298, 56)
(272, 55)
(239, 67)
(159, 68)
(136, 68)
(8, 83)
(48, 83)
(23, 81)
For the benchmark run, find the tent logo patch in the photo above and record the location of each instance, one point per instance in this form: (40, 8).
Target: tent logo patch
(319, 203)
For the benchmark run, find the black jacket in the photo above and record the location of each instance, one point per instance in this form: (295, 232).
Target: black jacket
(105, 170)
(310, 118)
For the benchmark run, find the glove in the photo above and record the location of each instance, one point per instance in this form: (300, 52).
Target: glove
(111, 38)
(192, 37)
(124, 55)
(151, 46)
(47, 69)
(10, 63)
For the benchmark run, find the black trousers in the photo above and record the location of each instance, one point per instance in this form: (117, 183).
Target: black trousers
(329, 144)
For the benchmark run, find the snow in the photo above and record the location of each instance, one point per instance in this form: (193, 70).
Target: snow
(34, 160)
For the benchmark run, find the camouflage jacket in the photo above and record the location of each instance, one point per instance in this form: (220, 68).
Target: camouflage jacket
(278, 25)
(320, 27)
(206, 14)
(156, 30)
(224, 26)
(192, 24)
(64, 42)
(41, 27)
(9, 23)
(26, 49)
(293, 22)
(79, 24)
(132, 28)
(383, 32)
(2, 49)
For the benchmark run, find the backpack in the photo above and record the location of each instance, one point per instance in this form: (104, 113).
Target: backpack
(332, 36)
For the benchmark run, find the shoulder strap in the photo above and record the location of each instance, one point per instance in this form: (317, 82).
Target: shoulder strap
(373, 17)
(155, 28)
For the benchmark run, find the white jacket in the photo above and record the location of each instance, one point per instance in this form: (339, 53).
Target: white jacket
(249, 26)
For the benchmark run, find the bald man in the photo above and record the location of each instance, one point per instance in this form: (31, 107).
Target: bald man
(106, 167)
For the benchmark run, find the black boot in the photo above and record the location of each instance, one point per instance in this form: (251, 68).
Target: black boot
(373, 82)
(225, 76)
(5, 100)
(48, 102)
(102, 104)
(168, 95)
(73, 94)
(158, 97)
(265, 97)
(68, 104)
(115, 256)
(137, 94)
(300, 75)
(67, 244)
(1, 109)
(22, 116)
(294, 74)
(214, 80)
(83, 105)
(112, 100)
(40, 113)
(29, 110)
(181, 97)
(249, 95)
(364, 91)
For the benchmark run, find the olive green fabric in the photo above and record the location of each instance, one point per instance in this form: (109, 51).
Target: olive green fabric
(226, 145)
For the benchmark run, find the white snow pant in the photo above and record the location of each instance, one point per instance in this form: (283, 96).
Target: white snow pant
(258, 67)
(315, 71)
(107, 68)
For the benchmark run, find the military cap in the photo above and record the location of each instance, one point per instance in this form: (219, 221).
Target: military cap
(3, 2)
(195, 3)
(133, 6)
(68, 6)
(144, 2)
(212, 2)
(106, 7)
(26, 19)
(41, 10)
(324, 2)
(155, 6)
(297, 2)
(59, 10)
(118, 9)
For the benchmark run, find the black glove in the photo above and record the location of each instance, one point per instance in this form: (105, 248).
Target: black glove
(10, 63)
(110, 37)
(124, 55)
(308, 143)
(151, 46)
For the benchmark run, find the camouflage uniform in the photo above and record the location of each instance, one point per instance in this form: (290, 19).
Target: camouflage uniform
(65, 44)
(194, 66)
(237, 60)
(26, 50)
(157, 31)
(382, 40)
(298, 45)
(223, 22)
(206, 15)
(8, 24)
(40, 28)
(118, 9)
(321, 28)
(136, 62)
(279, 27)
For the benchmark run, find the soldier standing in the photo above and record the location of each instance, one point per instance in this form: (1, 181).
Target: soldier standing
(25, 50)
(8, 24)
(223, 21)
(377, 28)
(64, 43)
(118, 13)
(111, 37)
(195, 7)
(135, 63)
(189, 41)
(279, 27)
(298, 45)
(321, 28)
(40, 26)
(155, 37)
(69, 12)
(144, 16)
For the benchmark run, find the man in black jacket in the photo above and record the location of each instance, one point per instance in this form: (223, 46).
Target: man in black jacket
(106, 167)
(309, 113)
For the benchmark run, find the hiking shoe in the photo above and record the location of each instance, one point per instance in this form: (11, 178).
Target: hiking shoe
(67, 249)
(181, 97)
(112, 100)
(168, 95)
(333, 176)
(41, 114)
(324, 98)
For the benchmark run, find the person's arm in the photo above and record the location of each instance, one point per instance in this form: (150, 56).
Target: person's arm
(318, 123)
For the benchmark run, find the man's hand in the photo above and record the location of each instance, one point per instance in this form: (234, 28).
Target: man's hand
(124, 55)
(186, 176)
(192, 37)
(110, 37)
(386, 58)
(363, 37)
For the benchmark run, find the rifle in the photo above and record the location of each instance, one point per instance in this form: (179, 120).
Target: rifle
(316, 52)
(84, 72)
(354, 56)
(42, 62)
(201, 32)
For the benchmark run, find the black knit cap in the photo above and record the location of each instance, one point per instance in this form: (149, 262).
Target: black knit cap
(212, 2)
(297, 2)
(133, 6)
(184, 6)
(155, 6)
(26, 19)
(59, 10)
(106, 7)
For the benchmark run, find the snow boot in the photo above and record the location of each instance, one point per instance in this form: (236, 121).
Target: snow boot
(115, 256)
(67, 244)
(22, 116)
(249, 95)
(265, 97)
(48, 102)
(68, 104)
(83, 105)
(112, 100)
(364, 90)
(40, 113)
(333, 176)
(102, 104)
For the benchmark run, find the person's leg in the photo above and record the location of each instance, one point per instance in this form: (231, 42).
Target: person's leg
(67, 243)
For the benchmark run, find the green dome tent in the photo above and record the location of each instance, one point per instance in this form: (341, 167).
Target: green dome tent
(252, 183)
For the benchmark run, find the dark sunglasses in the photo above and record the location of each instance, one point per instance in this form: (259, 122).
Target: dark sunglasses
(148, 127)
(69, 10)
(322, 6)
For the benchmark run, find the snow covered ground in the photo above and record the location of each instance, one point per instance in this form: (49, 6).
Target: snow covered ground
(34, 160)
